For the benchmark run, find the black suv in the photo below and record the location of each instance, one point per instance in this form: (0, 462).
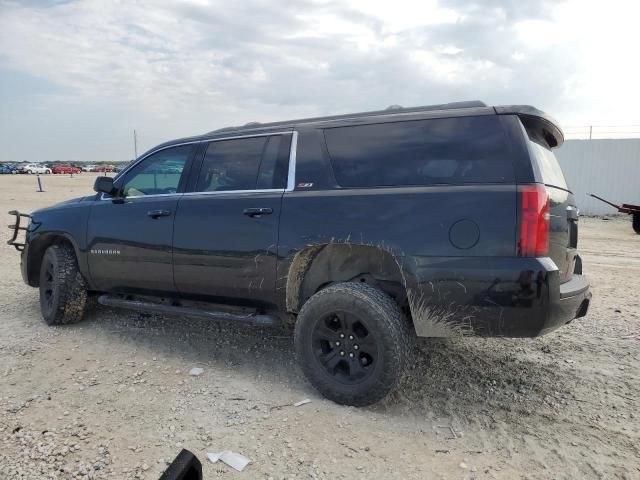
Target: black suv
(360, 231)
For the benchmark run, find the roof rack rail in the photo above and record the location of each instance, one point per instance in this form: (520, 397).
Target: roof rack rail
(393, 109)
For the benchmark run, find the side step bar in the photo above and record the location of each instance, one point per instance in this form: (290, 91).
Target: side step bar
(251, 319)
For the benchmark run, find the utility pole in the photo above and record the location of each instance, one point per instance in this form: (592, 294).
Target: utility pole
(135, 145)
(590, 131)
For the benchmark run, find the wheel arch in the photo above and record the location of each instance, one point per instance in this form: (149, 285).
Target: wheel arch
(38, 246)
(315, 267)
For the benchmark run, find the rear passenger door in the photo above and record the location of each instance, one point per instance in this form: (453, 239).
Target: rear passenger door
(226, 227)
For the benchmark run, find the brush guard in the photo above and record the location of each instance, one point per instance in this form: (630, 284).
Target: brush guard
(17, 227)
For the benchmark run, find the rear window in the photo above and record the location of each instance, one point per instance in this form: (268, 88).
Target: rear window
(423, 152)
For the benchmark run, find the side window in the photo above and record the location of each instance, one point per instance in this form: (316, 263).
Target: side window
(275, 163)
(243, 164)
(157, 174)
(423, 152)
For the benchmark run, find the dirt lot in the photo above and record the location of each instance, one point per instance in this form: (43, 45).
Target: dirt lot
(111, 397)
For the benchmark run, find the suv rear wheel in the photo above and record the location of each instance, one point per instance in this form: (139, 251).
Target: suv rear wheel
(353, 342)
(63, 292)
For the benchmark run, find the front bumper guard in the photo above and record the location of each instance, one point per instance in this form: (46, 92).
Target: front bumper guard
(17, 227)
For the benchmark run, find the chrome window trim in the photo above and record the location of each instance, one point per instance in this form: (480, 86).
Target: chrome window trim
(290, 174)
(102, 197)
(221, 192)
(153, 196)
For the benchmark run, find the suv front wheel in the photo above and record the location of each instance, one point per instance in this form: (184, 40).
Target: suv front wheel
(352, 342)
(63, 292)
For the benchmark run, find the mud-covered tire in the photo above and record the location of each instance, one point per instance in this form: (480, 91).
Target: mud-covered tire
(636, 222)
(63, 291)
(378, 325)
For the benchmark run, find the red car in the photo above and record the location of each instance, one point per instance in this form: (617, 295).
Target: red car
(65, 169)
(104, 168)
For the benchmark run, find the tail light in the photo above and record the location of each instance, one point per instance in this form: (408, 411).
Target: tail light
(534, 221)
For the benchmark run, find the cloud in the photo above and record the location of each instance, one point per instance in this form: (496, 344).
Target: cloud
(172, 68)
(510, 10)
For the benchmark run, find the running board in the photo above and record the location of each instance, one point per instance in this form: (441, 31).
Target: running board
(251, 318)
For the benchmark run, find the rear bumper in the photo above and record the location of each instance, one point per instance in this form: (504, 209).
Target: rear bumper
(572, 302)
(495, 297)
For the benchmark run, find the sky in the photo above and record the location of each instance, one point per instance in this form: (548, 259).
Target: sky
(77, 77)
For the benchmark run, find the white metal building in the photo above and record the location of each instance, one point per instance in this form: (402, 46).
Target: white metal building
(609, 168)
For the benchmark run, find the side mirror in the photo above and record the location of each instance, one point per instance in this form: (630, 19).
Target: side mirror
(104, 185)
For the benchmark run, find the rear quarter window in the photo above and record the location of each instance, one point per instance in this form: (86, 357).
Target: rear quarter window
(545, 161)
(423, 152)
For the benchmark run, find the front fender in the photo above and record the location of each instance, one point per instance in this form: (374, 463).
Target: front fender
(63, 223)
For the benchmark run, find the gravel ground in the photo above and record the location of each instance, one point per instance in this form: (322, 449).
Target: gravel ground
(112, 397)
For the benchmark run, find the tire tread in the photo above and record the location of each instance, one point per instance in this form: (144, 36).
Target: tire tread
(397, 351)
(72, 298)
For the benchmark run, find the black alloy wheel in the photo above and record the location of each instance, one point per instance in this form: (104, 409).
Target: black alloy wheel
(345, 347)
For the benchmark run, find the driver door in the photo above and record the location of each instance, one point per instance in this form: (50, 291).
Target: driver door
(129, 237)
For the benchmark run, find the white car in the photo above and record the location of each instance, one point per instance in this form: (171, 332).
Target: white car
(88, 168)
(35, 168)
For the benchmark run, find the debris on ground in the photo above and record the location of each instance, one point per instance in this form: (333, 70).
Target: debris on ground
(302, 402)
(195, 371)
(234, 460)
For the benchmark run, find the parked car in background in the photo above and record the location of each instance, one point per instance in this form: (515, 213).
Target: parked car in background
(105, 168)
(65, 169)
(8, 169)
(88, 168)
(34, 168)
